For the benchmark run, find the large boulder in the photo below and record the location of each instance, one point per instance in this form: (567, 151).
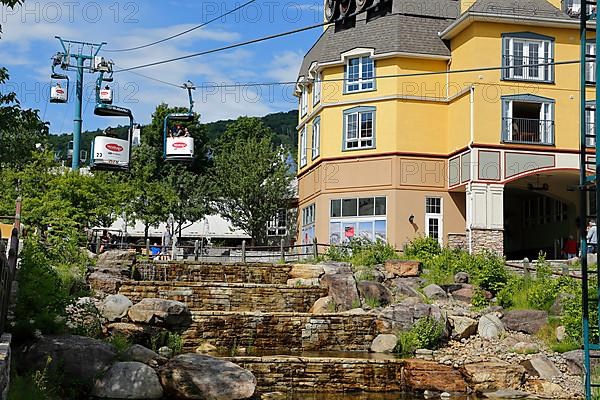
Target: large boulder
(341, 285)
(465, 294)
(195, 376)
(402, 268)
(384, 343)
(405, 287)
(461, 277)
(462, 327)
(78, 359)
(323, 305)
(105, 283)
(540, 365)
(306, 271)
(402, 316)
(115, 306)
(160, 312)
(490, 326)
(526, 321)
(435, 292)
(375, 291)
(128, 380)
(144, 355)
(493, 375)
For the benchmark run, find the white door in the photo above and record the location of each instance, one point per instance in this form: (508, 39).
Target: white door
(434, 222)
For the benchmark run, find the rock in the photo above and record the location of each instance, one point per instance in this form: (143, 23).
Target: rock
(115, 255)
(342, 288)
(541, 366)
(490, 327)
(78, 359)
(464, 294)
(434, 292)
(306, 271)
(461, 277)
(561, 333)
(493, 375)
(105, 283)
(296, 282)
(336, 267)
(126, 329)
(453, 287)
(195, 376)
(557, 307)
(403, 268)
(421, 375)
(115, 306)
(549, 390)
(384, 343)
(323, 305)
(574, 359)
(160, 312)
(462, 327)
(128, 380)
(404, 288)
(165, 352)
(144, 355)
(526, 348)
(354, 311)
(526, 321)
(206, 348)
(375, 291)
(402, 316)
(506, 394)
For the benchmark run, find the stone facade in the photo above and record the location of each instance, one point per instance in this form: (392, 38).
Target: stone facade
(281, 332)
(310, 374)
(487, 239)
(457, 241)
(227, 296)
(212, 272)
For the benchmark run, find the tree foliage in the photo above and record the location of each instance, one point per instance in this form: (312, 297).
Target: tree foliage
(252, 176)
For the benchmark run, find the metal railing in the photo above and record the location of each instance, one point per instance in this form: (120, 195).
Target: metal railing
(527, 130)
(528, 68)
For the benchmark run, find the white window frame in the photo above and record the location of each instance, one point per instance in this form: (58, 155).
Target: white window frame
(435, 216)
(273, 226)
(523, 71)
(316, 138)
(362, 141)
(590, 65)
(317, 89)
(303, 148)
(590, 117)
(545, 121)
(360, 84)
(304, 101)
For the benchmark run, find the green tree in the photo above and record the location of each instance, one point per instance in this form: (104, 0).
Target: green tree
(252, 176)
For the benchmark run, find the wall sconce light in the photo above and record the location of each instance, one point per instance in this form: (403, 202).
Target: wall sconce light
(411, 219)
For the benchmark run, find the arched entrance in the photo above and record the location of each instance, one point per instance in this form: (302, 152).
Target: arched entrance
(540, 212)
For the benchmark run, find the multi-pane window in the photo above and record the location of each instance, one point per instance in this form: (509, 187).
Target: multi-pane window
(433, 218)
(304, 101)
(317, 89)
(308, 225)
(316, 138)
(359, 128)
(573, 7)
(360, 74)
(277, 226)
(303, 147)
(541, 210)
(590, 124)
(363, 218)
(528, 119)
(528, 57)
(590, 64)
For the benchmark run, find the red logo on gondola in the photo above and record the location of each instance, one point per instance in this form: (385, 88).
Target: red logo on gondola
(114, 147)
(179, 145)
(60, 91)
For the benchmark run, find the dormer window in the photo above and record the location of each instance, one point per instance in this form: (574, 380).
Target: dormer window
(317, 89)
(528, 57)
(360, 74)
(304, 101)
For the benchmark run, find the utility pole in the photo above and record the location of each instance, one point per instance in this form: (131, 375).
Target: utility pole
(80, 57)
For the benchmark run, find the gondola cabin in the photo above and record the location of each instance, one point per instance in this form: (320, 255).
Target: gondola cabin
(106, 95)
(110, 153)
(58, 94)
(180, 148)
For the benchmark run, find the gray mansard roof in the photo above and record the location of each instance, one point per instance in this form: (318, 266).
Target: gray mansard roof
(414, 27)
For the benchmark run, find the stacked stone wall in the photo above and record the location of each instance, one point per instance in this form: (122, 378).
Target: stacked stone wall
(487, 239)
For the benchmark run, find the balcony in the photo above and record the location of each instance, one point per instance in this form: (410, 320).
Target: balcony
(527, 131)
(524, 68)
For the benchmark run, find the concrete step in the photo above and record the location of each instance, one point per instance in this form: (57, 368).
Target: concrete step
(344, 374)
(251, 332)
(227, 296)
(212, 272)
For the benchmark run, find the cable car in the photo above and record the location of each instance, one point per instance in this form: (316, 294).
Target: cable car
(58, 93)
(106, 95)
(178, 144)
(108, 151)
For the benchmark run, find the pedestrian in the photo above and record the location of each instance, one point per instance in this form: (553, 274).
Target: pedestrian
(570, 248)
(592, 237)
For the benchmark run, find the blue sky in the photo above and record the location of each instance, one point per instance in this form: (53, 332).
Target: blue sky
(28, 42)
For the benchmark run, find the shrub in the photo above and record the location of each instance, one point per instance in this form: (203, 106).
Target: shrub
(426, 333)
(479, 301)
(423, 248)
(337, 253)
(372, 302)
(491, 273)
(121, 343)
(367, 253)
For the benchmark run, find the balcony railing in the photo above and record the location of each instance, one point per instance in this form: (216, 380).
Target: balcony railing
(526, 68)
(529, 131)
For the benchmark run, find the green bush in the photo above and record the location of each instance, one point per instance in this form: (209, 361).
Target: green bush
(367, 253)
(423, 248)
(426, 333)
(337, 253)
(491, 273)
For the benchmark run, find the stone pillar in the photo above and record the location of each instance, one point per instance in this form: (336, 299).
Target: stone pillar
(457, 241)
(485, 217)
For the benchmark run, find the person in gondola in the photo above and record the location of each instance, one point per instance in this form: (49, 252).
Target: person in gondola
(179, 132)
(186, 132)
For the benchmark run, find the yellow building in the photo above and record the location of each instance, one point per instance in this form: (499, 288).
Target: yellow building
(446, 118)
